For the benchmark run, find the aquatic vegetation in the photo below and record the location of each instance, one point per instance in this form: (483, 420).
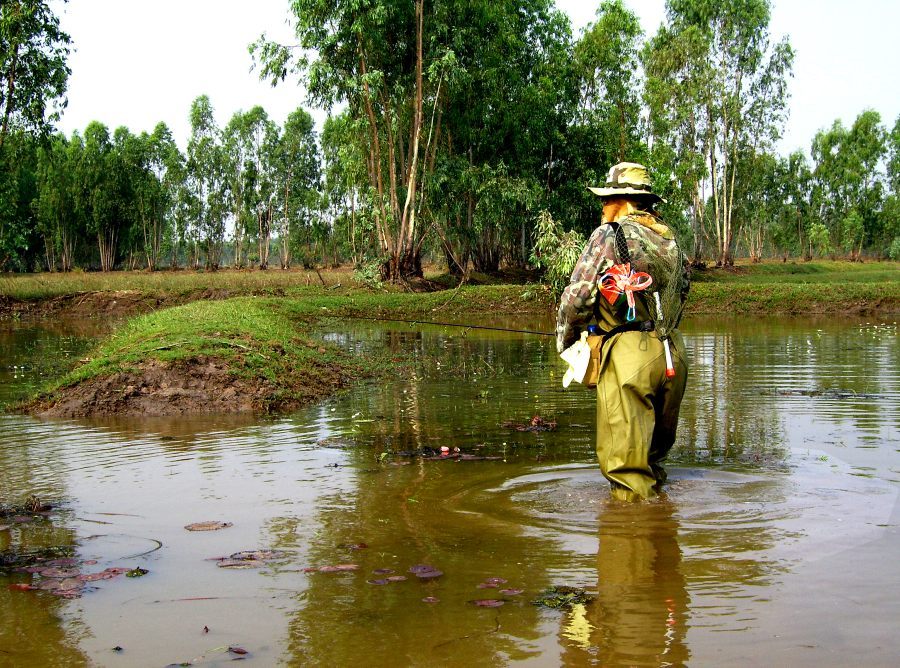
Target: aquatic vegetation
(562, 598)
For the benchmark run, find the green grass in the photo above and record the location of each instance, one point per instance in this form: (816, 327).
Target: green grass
(30, 287)
(823, 271)
(254, 336)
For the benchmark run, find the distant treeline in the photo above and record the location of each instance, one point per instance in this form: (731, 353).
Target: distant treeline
(465, 123)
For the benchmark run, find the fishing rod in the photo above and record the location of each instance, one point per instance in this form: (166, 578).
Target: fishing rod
(449, 324)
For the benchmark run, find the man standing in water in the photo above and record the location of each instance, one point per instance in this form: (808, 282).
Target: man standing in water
(631, 281)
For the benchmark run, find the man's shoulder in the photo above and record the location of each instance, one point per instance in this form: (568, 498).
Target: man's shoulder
(642, 223)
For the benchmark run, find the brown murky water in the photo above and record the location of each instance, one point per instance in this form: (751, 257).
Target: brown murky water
(776, 543)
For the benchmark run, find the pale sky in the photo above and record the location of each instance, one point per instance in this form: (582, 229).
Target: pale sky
(140, 62)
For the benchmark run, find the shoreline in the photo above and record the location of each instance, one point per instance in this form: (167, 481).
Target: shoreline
(211, 351)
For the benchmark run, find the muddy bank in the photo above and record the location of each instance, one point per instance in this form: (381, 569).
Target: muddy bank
(230, 356)
(188, 386)
(116, 303)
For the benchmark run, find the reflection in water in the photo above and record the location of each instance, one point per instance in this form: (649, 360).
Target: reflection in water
(696, 576)
(640, 615)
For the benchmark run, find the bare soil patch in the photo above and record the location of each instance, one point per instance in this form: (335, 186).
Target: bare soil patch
(117, 303)
(188, 386)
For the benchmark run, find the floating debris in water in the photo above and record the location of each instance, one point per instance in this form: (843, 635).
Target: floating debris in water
(559, 598)
(537, 423)
(250, 559)
(496, 581)
(208, 526)
(397, 578)
(487, 602)
(486, 585)
(425, 572)
(383, 571)
(136, 572)
(445, 453)
(431, 599)
(379, 581)
(353, 546)
(340, 568)
(512, 592)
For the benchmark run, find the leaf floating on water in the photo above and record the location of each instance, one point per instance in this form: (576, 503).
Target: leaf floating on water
(250, 559)
(421, 568)
(136, 572)
(487, 602)
(429, 575)
(67, 585)
(512, 592)
(239, 563)
(353, 546)
(260, 555)
(397, 578)
(54, 572)
(383, 571)
(237, 650)
(431, 599)
(496, 581)
(64, 561)
(381, 581)
(208, 526)
(340, 568)
(486, 585)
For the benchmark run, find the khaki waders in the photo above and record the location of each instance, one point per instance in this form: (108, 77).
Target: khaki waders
(637, 410)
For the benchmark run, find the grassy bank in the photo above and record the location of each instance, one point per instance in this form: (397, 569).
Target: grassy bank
(259, 352)
(34, 287)
(772, 287)
(220, 356)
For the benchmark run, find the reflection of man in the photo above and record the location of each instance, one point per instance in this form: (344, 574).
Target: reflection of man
(638, 398)
(640, 613)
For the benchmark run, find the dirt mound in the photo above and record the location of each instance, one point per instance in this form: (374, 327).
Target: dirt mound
(191, 386)
(116, 303)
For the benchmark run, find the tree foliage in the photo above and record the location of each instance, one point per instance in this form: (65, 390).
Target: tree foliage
(465, 133)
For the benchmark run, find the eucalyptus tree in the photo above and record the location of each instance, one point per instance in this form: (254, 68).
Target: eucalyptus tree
(374, 56)
(158, 186)
(54, 204)
(206, 185)
(601, 90)
(236, 145)
(849, 182)
(891, 211)
(716, 86)
(499, 126)
(19, 237)
(296, 181)
(97, 196)
(260, 136)
(33, 68)
(346, 190)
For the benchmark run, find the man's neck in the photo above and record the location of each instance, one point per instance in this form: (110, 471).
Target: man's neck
(618, 208)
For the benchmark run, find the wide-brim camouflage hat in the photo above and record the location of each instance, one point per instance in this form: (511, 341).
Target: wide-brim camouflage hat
(627, 178)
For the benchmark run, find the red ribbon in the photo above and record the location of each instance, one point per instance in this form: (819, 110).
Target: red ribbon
(621, 279)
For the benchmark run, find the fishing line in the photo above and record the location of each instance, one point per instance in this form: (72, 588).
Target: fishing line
(448, 324)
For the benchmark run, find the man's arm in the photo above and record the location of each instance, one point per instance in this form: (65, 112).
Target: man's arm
(579, 299)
